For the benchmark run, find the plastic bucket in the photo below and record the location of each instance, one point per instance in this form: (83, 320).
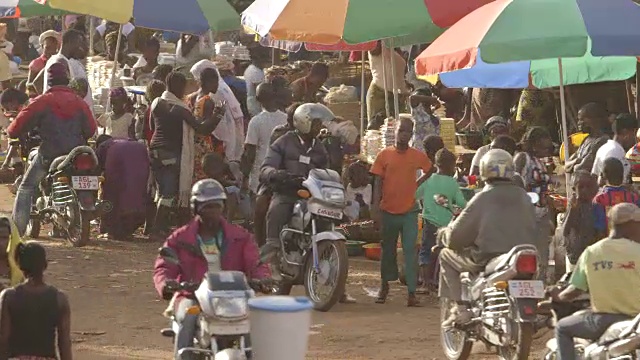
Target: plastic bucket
(279, 327)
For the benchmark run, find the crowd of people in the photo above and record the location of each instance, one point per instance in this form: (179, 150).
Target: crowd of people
(223, 155)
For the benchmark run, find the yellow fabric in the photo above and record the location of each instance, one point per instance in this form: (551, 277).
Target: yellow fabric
(576, 140)
(610, 271)
(432, 79)
(5, 69)
(119, 11)
(14, 240)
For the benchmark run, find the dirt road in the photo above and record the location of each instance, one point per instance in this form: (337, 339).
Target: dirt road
(116, 314)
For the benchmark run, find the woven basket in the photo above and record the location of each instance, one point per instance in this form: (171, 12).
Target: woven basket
(348, 111)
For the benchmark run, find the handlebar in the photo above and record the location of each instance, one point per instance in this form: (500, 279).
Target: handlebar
(263, 286)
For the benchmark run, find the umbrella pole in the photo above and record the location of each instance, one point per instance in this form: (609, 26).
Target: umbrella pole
(92, 30)
(115, 67)
(362, 97)
(396, 108)
(384, 81)
(565, 132)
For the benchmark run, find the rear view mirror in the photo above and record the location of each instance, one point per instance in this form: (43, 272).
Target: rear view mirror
(169, 255)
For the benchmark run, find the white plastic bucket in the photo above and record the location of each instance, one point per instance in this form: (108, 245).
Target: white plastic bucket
(279, 327)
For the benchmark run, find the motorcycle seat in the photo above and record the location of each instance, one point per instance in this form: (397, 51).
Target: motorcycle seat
(73, 153)
(614, 331)
(53, 168)
(500, 262)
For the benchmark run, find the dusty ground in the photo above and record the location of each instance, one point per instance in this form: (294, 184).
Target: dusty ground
(116, 313)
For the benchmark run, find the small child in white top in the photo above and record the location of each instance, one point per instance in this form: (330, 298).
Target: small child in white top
(119, 123)
(358, 194)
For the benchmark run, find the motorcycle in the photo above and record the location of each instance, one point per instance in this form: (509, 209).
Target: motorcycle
(313, 253)
(621, 341)
(69, 197)
(223, 317)
(503, 299)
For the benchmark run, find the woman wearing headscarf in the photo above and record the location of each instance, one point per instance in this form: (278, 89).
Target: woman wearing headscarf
(125, 164)
(231, 129)
(10, 274)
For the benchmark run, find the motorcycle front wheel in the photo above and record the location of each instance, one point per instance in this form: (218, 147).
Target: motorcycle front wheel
(326, 287)
(455, 343)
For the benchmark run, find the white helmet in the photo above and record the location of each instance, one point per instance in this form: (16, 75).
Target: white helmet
(205, 191)
(306, 113)
(496, 164)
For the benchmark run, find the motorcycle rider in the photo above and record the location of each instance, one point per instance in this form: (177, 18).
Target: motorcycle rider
(65, 122)
(291, 157)
(493, 222)
(608, 271)
(207, 243)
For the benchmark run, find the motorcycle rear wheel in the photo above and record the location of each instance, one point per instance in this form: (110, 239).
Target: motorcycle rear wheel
(325, 303)
(455, 343)
(523, 346)
(80, 226)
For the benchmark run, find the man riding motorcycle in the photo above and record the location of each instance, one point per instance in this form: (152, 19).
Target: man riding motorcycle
(208, 243)
(608, 271)
(289, 158)
(65, 122)
(493, 222)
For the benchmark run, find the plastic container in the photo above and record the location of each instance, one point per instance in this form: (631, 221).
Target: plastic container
(280, 327)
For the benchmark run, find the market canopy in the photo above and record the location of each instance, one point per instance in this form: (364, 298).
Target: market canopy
(187, 16)
(355, 21)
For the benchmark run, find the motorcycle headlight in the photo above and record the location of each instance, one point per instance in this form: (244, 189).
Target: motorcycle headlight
(334, 195)
(231, 307)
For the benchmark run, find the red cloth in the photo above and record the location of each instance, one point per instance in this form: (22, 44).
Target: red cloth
(37, 64)
(240, 254)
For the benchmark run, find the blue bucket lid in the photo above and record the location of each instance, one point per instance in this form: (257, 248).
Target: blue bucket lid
(287, 304)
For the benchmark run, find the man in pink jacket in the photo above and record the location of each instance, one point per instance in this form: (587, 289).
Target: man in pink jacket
(207, 243)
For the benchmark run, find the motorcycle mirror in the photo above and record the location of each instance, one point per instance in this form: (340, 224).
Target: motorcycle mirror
(170, 255)
(534, 197)
(441, 200)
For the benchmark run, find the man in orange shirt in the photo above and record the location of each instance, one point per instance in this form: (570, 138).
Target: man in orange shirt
(395, 209)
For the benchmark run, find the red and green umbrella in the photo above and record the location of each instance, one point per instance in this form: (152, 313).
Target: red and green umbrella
(27, 8)
(355, 21)
(522, 30)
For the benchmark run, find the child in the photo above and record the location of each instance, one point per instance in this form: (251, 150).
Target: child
(431, 145)
(578, 228)
(358, 191)
(215, 166)
(611, 194)
(435, 216)
(119, 123)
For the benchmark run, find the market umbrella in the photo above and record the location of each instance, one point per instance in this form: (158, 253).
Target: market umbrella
(27, 8)
(541, 73)
(515, 30)
(355, 21)
(187, 16)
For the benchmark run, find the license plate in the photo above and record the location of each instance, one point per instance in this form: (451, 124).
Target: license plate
(529, 289)
(85, 182)
(334, 214)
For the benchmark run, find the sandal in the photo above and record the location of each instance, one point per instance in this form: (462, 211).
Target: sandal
(382, 294)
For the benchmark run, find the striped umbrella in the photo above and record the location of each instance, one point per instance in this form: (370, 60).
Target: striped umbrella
(187, 16)
(355, 21)
(27, 8)
(516, 30)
